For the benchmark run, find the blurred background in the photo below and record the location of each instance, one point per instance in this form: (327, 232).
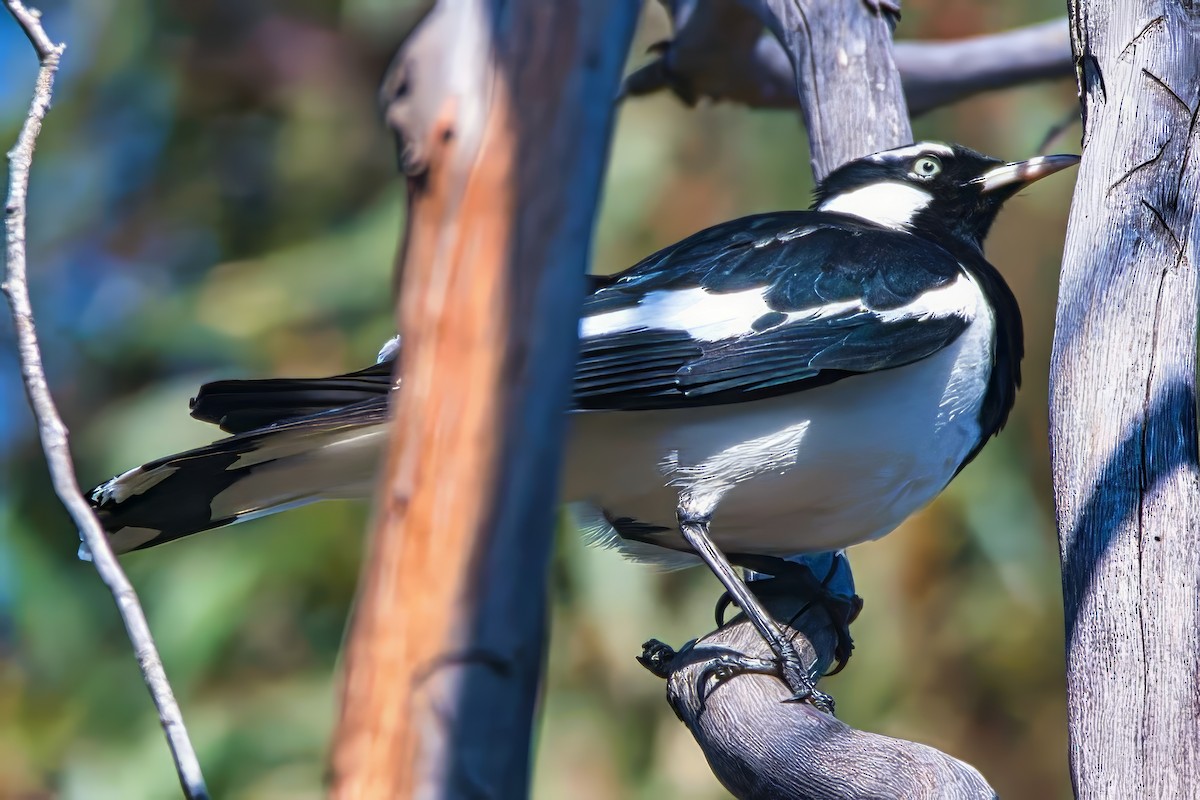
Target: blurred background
(214, 196)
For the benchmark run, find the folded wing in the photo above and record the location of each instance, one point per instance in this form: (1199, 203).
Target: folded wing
(722, 319)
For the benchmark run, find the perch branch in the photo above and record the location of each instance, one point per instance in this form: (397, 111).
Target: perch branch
(721, 52)
(761, 747)
(53, 432)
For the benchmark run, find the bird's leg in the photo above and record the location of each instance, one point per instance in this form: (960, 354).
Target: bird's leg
(798, 579)
(791, 670)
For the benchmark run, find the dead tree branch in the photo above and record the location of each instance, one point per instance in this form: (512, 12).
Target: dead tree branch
(940, 73)
(763, 748)
(504, 113)
(720, 51)
(845, 77)
(759, 747)
(53, 432)
(1123, 405)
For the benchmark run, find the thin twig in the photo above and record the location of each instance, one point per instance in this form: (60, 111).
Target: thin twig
(51, 429)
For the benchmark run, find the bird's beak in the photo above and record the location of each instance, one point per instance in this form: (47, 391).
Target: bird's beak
(1021, 173)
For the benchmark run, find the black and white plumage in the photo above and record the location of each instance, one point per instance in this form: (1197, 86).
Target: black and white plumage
(808, 379)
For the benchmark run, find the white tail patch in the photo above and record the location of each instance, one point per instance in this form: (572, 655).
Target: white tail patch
(134, 482)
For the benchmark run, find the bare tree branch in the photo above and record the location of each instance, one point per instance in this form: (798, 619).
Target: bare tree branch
(845, 77)
(1123, 405)
(721, 52)
(940, 73)
(51, 429)
(504, 112)
(763, 748)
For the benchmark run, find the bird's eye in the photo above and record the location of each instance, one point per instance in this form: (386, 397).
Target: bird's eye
(926, 167)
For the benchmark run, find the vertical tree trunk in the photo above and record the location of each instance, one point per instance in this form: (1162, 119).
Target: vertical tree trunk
(1123, 405)
(505, 109)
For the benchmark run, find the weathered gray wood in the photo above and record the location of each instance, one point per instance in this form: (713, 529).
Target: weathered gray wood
(761, 747)
(505, 111)
(940, 73)
(850, 94)
(1123, 405)
(719, 53)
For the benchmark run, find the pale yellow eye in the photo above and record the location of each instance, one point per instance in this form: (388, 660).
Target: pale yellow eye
(926, 167)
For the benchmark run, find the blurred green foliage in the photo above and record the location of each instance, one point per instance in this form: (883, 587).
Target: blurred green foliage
(215, 196)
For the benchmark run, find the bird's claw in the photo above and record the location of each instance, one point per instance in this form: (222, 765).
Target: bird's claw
(723, 604)
(727, 665)
(842, 611)
(817, 699)
(803, 689)
(658, 657)
(788, 576)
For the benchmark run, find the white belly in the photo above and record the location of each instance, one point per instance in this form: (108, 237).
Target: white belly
(812, 471)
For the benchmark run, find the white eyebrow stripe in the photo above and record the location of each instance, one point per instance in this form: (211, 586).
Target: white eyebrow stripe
(914, 150)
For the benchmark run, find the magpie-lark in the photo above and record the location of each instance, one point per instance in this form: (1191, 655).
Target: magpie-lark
(799, 381)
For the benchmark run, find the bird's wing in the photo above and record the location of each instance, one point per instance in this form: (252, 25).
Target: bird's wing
(762, 305)
(238, 406)
(778, 303)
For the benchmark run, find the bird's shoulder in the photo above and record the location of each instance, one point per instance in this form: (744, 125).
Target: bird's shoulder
(800, 259)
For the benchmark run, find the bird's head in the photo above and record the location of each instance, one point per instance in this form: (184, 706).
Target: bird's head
(938, 190)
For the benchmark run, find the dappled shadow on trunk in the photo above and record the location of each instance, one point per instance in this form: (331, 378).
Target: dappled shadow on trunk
(1148, 454)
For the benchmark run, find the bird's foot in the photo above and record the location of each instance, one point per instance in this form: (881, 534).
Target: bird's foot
(658, 657)
(797, 579)
(694, 528)
(792, 672)
(728, 664)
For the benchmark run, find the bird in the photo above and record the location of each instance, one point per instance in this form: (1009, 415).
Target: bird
(784, 383)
